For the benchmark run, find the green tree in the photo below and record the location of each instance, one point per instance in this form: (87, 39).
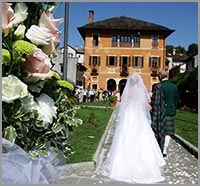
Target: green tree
(169, 49)
(187, 83)
(192, 50)
(180, 50)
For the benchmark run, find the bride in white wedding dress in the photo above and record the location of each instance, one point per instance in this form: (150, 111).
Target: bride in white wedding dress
(134, 155)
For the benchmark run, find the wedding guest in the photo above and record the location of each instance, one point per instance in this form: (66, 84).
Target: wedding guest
(170, 97)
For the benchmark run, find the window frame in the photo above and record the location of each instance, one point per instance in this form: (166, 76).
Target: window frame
(135, 60)
(95, 40)
(114, 40)
(125, 40)
(136, 41)
(94, 61)
(114, 62)
(153, 63)
(154, 42)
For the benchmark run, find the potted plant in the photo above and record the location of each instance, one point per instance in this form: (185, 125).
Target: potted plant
(112, 101)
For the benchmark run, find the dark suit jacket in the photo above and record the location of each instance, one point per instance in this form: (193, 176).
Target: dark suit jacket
(171, 97)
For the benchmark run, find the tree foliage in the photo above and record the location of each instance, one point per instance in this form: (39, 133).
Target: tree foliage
(187, 83)
(192, 50)
(169, 49)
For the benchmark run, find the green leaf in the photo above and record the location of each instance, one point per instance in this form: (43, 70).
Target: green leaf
(43, 152)
(48, 133)
(57, 75)
(56, 127)
(17, 107)
(23, 128)
(33, 154)
(38, 124)
(53, 149)
(41, 145)
(65, 84)
(10, 133)
(71, 123)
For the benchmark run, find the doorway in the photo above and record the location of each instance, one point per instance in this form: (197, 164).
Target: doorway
(111, 85)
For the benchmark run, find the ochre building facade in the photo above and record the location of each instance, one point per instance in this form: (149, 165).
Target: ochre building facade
(117, 47)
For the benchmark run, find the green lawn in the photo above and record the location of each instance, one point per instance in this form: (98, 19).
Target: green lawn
(95, 103)
(186, 126)
(85, 138)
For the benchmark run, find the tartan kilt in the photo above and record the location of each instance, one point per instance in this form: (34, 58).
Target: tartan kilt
(169, 126)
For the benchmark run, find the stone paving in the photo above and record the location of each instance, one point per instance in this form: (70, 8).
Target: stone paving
(181, 166)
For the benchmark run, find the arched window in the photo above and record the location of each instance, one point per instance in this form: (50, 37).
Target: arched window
(125, 40)
(155, 41)
(114, 40)
(136, 41)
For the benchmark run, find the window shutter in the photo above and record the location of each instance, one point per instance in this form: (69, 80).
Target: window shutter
(107, 58)
(159, 61)
(150, 62)
(99, 61)
(142, 63)
(90, 60)
(115, 60)
(133, 61)
(129, 61)
(120, 62)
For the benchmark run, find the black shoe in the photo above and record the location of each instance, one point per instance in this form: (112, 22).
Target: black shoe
(164, 155)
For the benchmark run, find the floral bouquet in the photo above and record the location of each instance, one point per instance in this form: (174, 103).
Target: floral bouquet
(37, 105)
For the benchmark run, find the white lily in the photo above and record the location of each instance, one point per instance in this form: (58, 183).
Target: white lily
(20, 14)
(19, 32)
(38, 35)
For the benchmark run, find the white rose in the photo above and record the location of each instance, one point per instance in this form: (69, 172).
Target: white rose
(13, 88)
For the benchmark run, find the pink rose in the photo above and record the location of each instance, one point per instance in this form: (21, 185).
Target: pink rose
(47, 20)
(7, 16)
(38, 65)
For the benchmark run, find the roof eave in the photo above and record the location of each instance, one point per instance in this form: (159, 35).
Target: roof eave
(166, 33)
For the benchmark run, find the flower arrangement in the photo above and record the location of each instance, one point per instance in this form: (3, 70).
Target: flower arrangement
(37, 105)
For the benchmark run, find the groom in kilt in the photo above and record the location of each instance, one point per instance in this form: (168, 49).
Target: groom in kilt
(164, 109)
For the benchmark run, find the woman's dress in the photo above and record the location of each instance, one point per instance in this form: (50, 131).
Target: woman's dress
(135, 155)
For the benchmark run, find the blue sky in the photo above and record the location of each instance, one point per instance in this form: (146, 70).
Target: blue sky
(180, 16)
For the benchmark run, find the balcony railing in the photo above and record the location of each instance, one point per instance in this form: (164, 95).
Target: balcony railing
(94, 72)
(124, 73)
(154, 71)
(154, 44)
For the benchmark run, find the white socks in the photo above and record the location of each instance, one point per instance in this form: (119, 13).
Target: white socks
(167, 140)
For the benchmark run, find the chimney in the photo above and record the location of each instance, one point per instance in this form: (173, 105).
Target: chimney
(91, 14)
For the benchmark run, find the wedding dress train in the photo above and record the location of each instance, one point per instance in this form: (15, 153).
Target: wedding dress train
(134, 155)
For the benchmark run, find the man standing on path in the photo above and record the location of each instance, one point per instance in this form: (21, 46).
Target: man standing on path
(168, 97)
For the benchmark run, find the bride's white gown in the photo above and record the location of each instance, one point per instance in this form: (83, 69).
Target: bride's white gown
(134, 155)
